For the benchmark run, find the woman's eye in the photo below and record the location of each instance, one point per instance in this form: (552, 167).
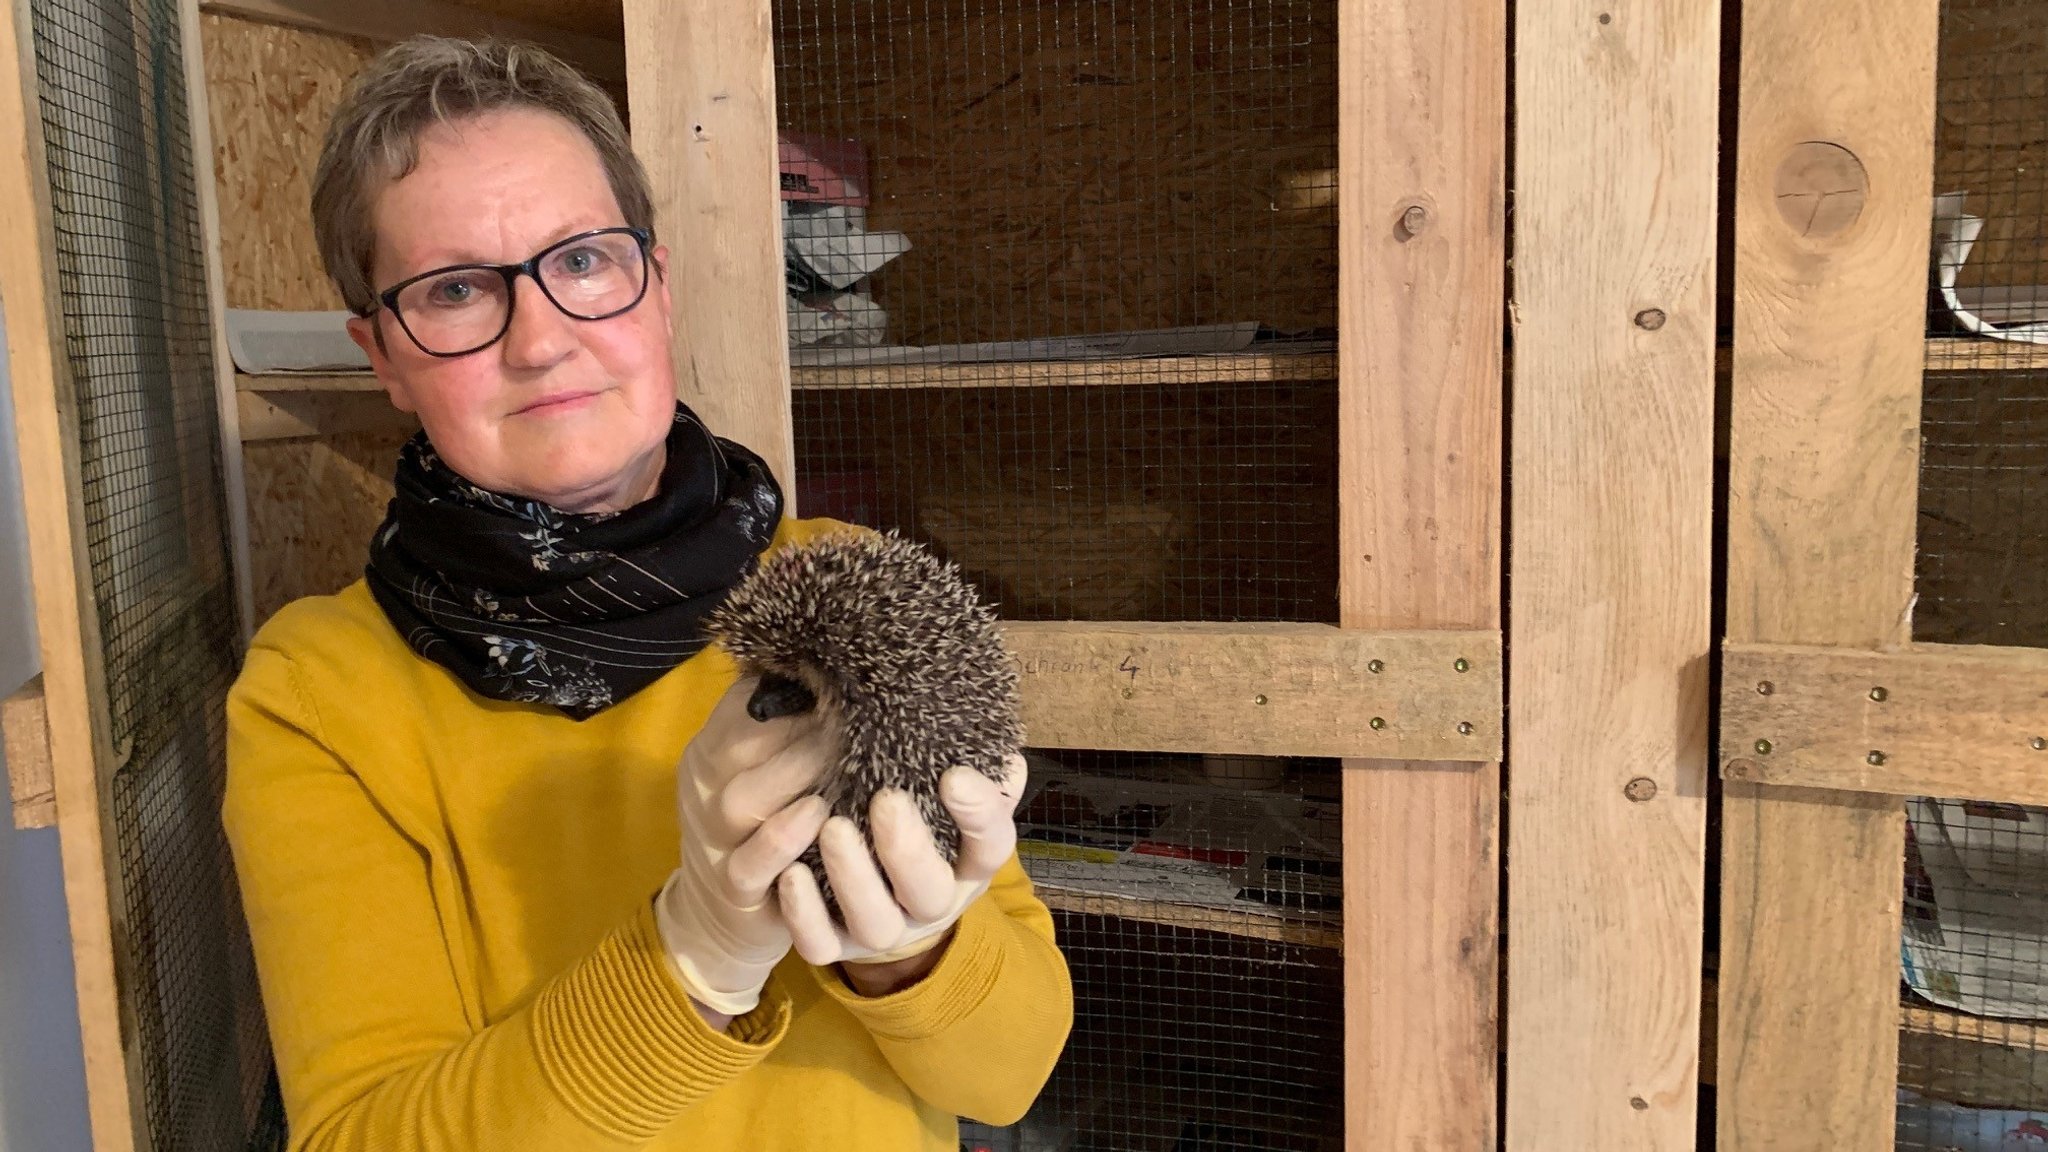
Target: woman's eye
(452, 292)
(582, 261)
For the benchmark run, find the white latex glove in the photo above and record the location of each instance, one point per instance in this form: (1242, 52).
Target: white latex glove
(928, 894)
(742, 826)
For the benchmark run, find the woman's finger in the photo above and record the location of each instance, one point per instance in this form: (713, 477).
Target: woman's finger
(985, 812)
(804, 914)
(773, 847)
(873, 918)
(918, 873)
(757, 793)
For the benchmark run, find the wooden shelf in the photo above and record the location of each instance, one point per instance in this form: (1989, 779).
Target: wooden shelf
(1951, 354)
(1250, 921)
(1233, 368)
(1230, 368)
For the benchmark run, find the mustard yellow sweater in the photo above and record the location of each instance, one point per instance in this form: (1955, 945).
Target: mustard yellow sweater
(450, 901)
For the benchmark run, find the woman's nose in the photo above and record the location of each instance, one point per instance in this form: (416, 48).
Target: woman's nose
(540, 333)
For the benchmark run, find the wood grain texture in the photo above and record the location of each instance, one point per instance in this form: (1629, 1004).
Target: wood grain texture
(45, 425)
(1615, 130)
(1249, 922)
(1259, 689)
(702, 82)
(1932, 720)
(270, 92)
(193, 55)
(391, 20)
(1972, 355)
(1422, 134)
(25, 726)
(293, 415)
(313, 505)
(1822, 473)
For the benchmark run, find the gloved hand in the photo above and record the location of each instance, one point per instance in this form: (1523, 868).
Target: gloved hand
(742, 825)
(929, 894)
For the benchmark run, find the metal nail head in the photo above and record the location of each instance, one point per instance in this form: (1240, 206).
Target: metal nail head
(1464, 727)
(1640, 789)
(1879, 694)
(1414, 221)
(1875, 758)
(1259, 699)
(1375, 666)
(1765, 688)
(1650, 319)
(1462, 664)
(1763, 747)
(2038, 744)
(1377, 723)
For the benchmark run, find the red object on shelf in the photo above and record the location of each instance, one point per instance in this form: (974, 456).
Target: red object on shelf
(821, 169)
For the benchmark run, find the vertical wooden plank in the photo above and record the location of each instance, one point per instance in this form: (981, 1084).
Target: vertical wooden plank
(701, 82)
(1421, 163)
(198, 118)
(1615, 139)
(1833, 202)
(68, 631)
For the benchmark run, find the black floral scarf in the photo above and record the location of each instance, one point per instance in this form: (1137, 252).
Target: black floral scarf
(530, 604)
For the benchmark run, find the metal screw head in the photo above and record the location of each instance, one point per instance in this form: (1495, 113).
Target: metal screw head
(1763, 747)
(1650, 319)
(1414, 221)
(1377, 723)
(1375, 666)
(1462, 664)
(1879, 694)
(1464, 727)
(1765, 688)
(2038, 744)
(1875, 758)
(1640, 789)
(1259, 699)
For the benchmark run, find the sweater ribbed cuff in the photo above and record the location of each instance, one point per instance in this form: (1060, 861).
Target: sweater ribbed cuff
(619, 1040)
(958, 984)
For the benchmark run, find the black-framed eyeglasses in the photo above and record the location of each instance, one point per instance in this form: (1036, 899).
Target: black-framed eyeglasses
(466, 308)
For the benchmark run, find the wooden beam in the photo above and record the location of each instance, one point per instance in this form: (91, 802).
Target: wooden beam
(1260, 689)
(46, 429)
(1932, 720)
(1253, 923)
(1422, 139)
(199, 122)
(25, 725)
(1969, 354)
(387, 21)
(1615, 138)
(1832, 225)
(286, 415)
(701, 78)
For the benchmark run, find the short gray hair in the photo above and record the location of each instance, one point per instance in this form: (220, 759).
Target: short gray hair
(425, 80)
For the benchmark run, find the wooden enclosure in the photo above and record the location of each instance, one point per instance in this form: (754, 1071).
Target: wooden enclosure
(1642, 457)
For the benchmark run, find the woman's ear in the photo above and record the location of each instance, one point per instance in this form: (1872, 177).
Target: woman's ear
(661, 294)
(363, 330)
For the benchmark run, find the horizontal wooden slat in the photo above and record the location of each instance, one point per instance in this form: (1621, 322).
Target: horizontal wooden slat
(25, 723)
(1242, 368)
(1253, 923)
(283, 415)
(1974, 355)
(1261, 689)
(386, 21)
(1931, 720)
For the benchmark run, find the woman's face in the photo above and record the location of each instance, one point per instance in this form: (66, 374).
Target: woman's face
(571, 412)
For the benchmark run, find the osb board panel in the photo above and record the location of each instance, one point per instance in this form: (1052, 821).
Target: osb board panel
(1992, 133)
(271, 91)
(1062, 166)
(312, 507)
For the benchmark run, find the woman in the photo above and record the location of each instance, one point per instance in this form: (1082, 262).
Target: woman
(520, 871)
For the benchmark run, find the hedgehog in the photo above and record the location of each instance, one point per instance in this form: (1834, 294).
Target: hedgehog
(894, 643)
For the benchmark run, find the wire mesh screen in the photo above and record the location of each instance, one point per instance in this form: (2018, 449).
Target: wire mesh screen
(1196, 901)
(1983, 562)
(1973, 1049)
(1062, 294)
(132, 286)
(1062, 301)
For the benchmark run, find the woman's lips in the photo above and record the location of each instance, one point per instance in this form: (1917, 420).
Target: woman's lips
(559, 402)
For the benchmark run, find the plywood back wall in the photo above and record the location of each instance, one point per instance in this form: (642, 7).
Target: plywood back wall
(312, 503)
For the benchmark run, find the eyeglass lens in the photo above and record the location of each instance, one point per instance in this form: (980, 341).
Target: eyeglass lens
(463, 309)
